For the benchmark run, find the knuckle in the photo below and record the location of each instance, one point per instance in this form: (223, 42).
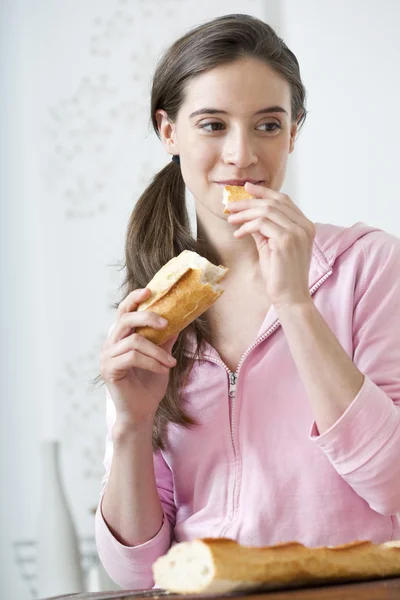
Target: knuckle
(302, 234)
(104, 371)
(162, 356)
(133, 354)
(113, 376)
(149, 317)
(299, 231)
(287, 238)
(136, 339)
(269, 209)
(121, 308)
(125, 318)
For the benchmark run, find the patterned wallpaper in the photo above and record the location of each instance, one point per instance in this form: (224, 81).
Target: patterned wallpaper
(97, 155)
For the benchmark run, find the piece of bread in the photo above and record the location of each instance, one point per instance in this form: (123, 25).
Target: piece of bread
(234, 193)
(183, 289)
(218, 566)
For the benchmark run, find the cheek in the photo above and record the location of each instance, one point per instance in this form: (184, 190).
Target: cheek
(196, 166)
(277, 164)
(199, 157)
(281, 153)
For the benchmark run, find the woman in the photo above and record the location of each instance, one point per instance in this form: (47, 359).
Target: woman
(276, 416)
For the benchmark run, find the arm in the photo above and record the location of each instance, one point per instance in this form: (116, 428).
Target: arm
(136, 513)
(131, 506)
(330, 377)
(357, 403)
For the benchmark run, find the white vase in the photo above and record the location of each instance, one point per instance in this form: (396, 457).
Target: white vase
(59, 568)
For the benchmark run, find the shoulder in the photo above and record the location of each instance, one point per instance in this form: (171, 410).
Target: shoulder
(381, 244)
(359, 242)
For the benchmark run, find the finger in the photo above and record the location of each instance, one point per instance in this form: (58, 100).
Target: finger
(129, 320)
(169, 344)
(260, 191)
(260, 240)
(142, 345)
(278, 237)
(132, 301)
(266, 228)
(236, 207)
(275, 212)
(278, 214)
(117, 367)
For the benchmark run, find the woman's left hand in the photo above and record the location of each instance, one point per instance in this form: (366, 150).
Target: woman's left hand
(284, 239)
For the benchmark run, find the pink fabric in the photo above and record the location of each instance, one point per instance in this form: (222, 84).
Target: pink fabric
(256, 469)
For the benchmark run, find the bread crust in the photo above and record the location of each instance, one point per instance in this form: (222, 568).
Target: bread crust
(186, 300)
(222, 565)
(180, 294)
(234, 193)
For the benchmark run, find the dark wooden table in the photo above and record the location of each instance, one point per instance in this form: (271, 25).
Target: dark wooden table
(385, 589)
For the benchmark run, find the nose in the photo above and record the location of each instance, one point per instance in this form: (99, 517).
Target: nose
(239, 149)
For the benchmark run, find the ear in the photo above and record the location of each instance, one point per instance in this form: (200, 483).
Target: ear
(166, 129)
(293, 134)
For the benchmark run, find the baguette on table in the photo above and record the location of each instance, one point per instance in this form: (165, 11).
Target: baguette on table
(234, 193)
(182, 290)
(219, 566)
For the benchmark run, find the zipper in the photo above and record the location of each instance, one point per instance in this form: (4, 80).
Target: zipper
(232, 393)
(232, 385)
(233, 377)
(232, 380)
(320, 282)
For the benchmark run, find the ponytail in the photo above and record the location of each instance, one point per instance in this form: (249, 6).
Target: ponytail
(158, 230)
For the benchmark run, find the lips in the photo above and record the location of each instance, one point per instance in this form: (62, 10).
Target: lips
(239, 181)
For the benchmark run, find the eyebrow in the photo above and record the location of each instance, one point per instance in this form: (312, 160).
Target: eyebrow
(214, 111)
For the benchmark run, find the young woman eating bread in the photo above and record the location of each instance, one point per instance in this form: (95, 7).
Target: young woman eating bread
(274, 416)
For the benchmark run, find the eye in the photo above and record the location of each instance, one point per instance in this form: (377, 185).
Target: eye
(211, 126)
(270, 127)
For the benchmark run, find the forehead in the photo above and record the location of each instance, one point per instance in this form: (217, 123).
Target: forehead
(241, 87)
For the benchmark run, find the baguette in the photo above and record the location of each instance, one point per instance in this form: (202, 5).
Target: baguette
(234, 193)
(219, 566)
(183, 289)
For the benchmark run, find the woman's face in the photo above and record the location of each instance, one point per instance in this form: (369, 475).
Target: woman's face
(235, 125)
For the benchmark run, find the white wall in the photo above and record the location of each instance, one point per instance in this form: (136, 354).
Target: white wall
(75, 154)
(348, 152)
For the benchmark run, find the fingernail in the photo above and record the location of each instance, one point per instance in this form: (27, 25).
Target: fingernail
(171, 360)
(162, 321)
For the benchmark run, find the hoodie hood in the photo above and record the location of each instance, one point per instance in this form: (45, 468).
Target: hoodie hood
(330, 242)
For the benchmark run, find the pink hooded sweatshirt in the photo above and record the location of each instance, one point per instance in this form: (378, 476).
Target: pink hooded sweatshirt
(255, 469)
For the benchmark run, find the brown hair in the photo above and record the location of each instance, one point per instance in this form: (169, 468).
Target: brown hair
(159, 228)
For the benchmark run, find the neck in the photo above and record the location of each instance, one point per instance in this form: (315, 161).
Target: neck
(235, 254)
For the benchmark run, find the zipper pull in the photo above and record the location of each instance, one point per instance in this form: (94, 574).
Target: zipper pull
(232, 385)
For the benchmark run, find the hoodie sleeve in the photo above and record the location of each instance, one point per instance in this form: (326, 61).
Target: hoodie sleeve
(364, 444)
(130, 567)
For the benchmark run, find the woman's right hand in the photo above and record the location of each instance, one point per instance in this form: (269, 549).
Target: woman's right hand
(135, 370)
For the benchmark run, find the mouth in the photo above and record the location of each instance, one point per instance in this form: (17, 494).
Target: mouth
(240, 181)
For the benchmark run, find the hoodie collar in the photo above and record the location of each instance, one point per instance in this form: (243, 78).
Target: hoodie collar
(330, 242)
